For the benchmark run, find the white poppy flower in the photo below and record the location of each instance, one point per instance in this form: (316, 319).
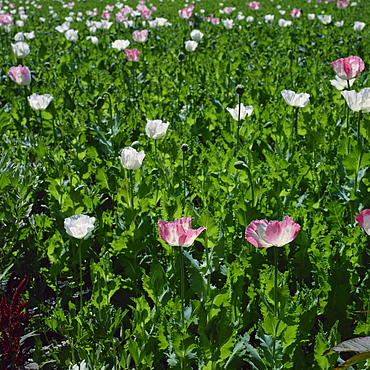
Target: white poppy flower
(295, 100)
(79, 226)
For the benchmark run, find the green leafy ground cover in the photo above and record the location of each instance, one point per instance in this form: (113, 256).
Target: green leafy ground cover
(64, 161)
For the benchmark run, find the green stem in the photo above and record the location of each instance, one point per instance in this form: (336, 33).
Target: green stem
(110, 107)
(276, 313)
(347, 119)
(275, 280)
(182, 287)
(251, 183)
(80, 262)
(237, 129)
(208, 265)
(359, 128)
(131, 189)
(184, 179)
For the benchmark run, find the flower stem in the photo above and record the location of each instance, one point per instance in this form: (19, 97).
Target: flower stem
(347, 119)
(208, 265)
(275, 280)
(359, 128)
(131, 189)
(80, 262)
(110, 107)
(184, 178)
(182, 287)
(237, 129)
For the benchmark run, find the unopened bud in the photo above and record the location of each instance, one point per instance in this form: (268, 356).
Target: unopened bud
(240, 165)
(290, 55)
(136, 144)
(240, 89)
(184, 147)
(181, 57)
(99, 103)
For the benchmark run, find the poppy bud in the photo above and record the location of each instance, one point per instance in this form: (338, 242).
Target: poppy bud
(136, 144)
(181, 57)
(99, 103)
(240, 89)
(240, 165)
(184, 147)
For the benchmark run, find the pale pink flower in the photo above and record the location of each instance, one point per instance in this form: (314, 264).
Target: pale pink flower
(106, 15)
(140, 36)
(6, 20)
(265, 234)
(178, 232)
(132, 55)
(20, 75)
(120, 17)
(185, 13)
(110, 8)
(255, 5)
(348, 68)
(146, 14)
(141, 7)
(127, 10)
(215, 20)
(296, 13)
(363, 219)
(342, 4)
(229, 10)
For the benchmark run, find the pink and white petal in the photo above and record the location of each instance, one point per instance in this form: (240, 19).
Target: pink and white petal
(281, 233)
(168, 232)
(190, 236)
(363, 219)
(255, 234)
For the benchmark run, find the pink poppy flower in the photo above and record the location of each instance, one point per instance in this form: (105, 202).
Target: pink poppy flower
(120, 17)
(342, 4)
(265, 234)
(178, 232)
(146, 14)
(254, 5)
(106, 15)
(348, 68)
(185, 13)
(363, 219)
(132, 55)
(20, 75)
(296, 13)
(140, 36)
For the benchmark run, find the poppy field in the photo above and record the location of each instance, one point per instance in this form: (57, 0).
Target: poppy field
(184, 185)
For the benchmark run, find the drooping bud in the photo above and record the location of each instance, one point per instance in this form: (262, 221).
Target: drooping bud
(136, 144)
(240, 165)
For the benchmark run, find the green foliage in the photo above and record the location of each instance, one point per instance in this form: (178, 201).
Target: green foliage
(64, 160)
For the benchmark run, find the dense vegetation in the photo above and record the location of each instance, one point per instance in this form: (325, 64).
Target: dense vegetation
(120, 297)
